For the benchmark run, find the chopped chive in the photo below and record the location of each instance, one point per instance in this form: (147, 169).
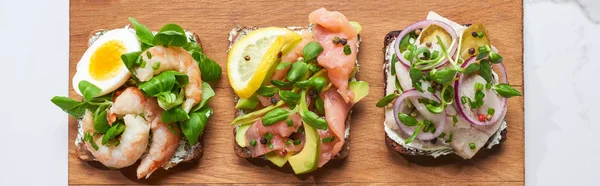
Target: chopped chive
(347, 50)
(480, 34)
(464, 99)
(491, 111)
(478, 86)
(149, 55)
(442, 135)
(289, 122)
(450, 137)
(270, 145)
(268, 136)
(472, 145)
(143, 65)
(297, 142)
(454, 119)
(155, 66)
(328, 139)
(488, 86)
(288, 142)
(430, 89)
(253, 143)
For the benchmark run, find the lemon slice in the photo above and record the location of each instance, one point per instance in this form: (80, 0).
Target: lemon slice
(254, 57)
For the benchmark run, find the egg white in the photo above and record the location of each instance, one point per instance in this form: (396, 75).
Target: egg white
(131, 44)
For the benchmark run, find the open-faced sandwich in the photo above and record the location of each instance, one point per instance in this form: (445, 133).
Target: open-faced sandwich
(296, 87)
(446, 89)
(144, 97)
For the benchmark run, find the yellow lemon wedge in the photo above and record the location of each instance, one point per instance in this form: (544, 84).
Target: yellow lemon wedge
(253, 59)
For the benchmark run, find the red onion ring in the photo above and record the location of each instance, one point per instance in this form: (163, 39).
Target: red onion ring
(400, 103)
(423, 24)
(461, 107)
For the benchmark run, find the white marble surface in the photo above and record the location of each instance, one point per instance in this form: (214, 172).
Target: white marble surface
(561, 41)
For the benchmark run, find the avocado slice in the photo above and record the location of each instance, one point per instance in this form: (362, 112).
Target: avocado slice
(307, 160)
(356, 26)
(360, 89)
(277, 159)
(468, 41)
(254, 116)
(247, 103)
(240, 135)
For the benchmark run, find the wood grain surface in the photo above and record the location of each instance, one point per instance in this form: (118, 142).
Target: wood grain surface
(369, 161)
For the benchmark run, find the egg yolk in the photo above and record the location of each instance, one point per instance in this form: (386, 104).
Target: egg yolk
(106, 62)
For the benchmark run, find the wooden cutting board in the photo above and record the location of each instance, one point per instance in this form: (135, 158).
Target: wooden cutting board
(370, 161)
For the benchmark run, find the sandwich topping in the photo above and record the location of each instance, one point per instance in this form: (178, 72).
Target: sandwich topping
(296, 88)
(447, 88)
(143, 96)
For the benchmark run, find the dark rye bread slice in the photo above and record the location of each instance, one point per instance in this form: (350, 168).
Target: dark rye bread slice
(387, 42)
(191, 152)
(235, 35)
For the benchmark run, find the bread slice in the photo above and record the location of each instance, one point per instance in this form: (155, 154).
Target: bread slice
(234, 36)
(184, 152)
(497, 138)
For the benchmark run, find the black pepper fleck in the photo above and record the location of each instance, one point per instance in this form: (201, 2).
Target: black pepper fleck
(343, 41)
(471, 51)
(273, 100)
(313, 93)
(428, 44)
(434, 140)
(279, 55)
(336, 40)
(418, 31)
(247, 58)
(474, 34)
(263, 140)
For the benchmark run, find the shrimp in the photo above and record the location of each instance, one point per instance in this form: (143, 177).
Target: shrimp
(173, 58)
(132, 142)
(130, 101)
(164, 142)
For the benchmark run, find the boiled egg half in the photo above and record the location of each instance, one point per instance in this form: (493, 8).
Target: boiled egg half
(101, 63)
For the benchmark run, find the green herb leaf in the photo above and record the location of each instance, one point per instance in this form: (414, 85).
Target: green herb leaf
(116, 129)
(415, 75)
(495, 58)
(281, 84)
(407, 119)
(170, 35)
(207, 94)
(274, 116)
(435, 107)
(70, 106)
(130, 59)
(414, 135)
(318, 82)
(101, 121)
(209, 69)
(169, 100)
(268, 136)
(142, 32)
(297, 70)
(192, 46)
(266, 91)
(328, 139)
(312, 50)
(444, 75)
(386, 100)
(88, 90)
(303, 84)
(283, 65)
(347, 50)
(174, 115)
(314, 120)
(291, 98)
(482, 55)
(485, 70)
(164, 82)
(505, 90)
(472, 68)
(393, 65)
(194, 126)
